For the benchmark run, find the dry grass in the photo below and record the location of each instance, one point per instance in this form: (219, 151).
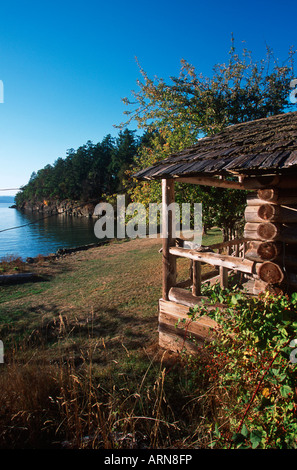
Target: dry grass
(12, 264)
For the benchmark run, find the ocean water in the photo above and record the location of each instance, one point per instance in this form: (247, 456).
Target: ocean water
(41, 235)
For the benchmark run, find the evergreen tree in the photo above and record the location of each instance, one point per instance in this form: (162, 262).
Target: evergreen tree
(91, 172)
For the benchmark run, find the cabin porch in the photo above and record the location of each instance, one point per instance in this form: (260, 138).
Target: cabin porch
(259, 157)
(261, 260)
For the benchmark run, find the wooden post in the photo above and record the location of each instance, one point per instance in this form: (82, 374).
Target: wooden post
(223, 275)
(169, 261)
(196, 289)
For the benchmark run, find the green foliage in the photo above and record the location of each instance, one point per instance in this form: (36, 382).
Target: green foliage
(250, 369)
(85, 174)
(175, 114)
(193, 105)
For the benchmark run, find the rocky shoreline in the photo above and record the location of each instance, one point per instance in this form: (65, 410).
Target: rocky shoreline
(66, 251)
(30, 276)
(74, 208)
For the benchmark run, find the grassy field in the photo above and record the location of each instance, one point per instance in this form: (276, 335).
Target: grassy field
(82, 363)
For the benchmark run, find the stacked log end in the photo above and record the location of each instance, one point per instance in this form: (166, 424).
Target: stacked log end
(271, 225)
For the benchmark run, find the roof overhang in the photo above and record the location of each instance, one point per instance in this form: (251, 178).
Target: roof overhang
(256, 148)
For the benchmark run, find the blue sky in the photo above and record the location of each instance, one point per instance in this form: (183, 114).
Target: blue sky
(66, 65)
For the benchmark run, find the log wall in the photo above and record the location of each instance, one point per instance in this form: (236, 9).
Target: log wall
(271, 225)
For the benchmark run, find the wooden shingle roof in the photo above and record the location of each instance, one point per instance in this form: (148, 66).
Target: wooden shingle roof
(262, 146)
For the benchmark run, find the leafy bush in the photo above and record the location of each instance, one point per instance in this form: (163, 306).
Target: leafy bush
(251, 369)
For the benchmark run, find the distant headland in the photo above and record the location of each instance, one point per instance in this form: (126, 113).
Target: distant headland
(7, 199)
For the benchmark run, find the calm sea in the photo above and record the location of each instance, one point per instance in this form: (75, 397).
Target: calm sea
(44, 236)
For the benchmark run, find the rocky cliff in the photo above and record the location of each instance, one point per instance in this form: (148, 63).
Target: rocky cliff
(74, 208)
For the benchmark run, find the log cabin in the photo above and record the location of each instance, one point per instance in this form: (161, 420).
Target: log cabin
(259, 157)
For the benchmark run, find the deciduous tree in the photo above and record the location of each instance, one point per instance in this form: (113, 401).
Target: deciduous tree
(177, 113)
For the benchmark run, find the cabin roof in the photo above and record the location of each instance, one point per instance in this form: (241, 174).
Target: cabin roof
(263, 146)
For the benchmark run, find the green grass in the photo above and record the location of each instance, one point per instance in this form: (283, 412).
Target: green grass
(21, 292)
(213, 236)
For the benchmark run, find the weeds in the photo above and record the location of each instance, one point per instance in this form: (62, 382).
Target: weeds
(12, 264)
(59, 405)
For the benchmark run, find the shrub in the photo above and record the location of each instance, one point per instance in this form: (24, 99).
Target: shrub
(251, 370)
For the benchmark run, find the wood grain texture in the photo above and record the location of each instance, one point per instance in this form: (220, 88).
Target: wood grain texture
(177, 331)
(168, 261)
(215, 259)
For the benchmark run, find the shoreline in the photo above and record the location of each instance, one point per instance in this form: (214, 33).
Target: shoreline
(65, 251)
(30, 261)
(68, 251)
(31, 266)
